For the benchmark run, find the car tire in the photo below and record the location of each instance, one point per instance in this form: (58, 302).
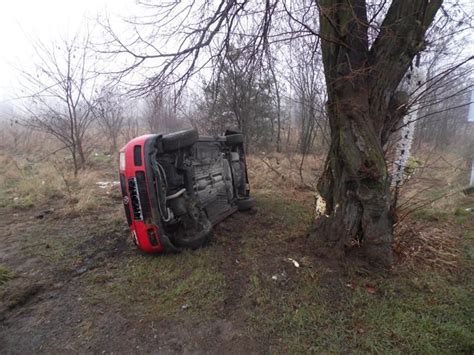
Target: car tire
(180, 139)
(198, 240)
(245, 204)
(234, 139)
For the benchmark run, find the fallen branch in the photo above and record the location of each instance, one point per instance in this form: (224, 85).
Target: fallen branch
(272, 168)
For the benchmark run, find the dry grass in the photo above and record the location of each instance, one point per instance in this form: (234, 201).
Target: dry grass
(423, 244)
(280, 173)
(437, 184)
(25, 184)
(434, 223)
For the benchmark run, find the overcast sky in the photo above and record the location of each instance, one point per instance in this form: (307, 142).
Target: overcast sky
(22, 21)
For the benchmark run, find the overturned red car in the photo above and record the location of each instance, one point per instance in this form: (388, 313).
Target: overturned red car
(177, 186)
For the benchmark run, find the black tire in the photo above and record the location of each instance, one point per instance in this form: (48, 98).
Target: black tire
(196, 240)
(234, 139)
(245, 204)
(202, 242)
(194, 229)
(180, 139)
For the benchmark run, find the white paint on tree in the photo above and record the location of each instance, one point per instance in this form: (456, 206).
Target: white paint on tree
(413, 80)
(472, 174)
(470, 116)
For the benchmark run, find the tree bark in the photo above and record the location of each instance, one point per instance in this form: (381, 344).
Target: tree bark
(82, 156)
(74, 159)
(114, 145)
(355, 186)
(361, 83)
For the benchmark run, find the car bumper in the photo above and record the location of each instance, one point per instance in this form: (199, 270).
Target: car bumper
(144, 224)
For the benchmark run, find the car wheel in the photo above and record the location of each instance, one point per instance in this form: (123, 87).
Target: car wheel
(191, 239)
(245, 204)
(180, 139)
(234, 139)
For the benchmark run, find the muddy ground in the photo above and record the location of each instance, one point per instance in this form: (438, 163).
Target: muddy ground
(46, 308)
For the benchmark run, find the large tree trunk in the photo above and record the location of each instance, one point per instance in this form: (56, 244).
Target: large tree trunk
(361, 84)
(355, 185)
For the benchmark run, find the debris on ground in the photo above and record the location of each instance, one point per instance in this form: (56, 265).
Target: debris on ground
(295, 263)
(42, 214)
(107, 184)
(370, 289)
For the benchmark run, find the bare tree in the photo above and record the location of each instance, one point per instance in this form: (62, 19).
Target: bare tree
(60, 92)
(443, 119)
(131, 127)
(367, 47)
(109, 111)
(161, 110)
(307, 82)
(276, 88)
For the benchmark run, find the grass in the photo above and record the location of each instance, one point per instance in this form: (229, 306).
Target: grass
(24, 185)
(192, 285)
(415, 311)
(422, 311)
(174, 286)
(431, 215)
(5, 274)
(427, 313)
(53, 242)
(313, 308)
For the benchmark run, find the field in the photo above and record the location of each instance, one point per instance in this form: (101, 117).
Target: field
(72, 281)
